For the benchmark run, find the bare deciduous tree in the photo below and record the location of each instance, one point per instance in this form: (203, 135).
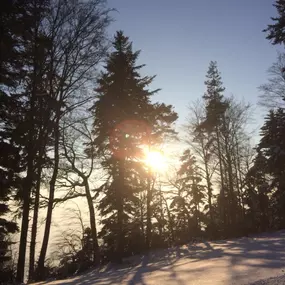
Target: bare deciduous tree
(74, 140)
(77, 32)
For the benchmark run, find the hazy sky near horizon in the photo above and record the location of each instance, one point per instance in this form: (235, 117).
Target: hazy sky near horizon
(179, 38)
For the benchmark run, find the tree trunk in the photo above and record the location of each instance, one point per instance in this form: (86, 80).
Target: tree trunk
(236, 174)
(27, 185)
(208, 180)
(120, 209)
(232, 204)
(96, 257)
(148, 212)
(40, 269)
(34, 226)
(240, 209)
(25, 225)
(196, 204)
(161, 209)
(43, 135)
(172, 238)
(240, 181)
(141, 214)
(209, 194)
(222, 193)
(197, 217)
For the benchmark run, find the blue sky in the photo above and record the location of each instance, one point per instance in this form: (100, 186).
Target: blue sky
(179, 38)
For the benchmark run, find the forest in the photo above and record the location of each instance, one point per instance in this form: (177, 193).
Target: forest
(79, 122)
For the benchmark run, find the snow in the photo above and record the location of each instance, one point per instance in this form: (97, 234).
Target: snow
(280, 280)
(238, 261)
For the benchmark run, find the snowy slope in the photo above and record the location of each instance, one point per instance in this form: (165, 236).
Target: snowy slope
(280, 280)
(239, 261)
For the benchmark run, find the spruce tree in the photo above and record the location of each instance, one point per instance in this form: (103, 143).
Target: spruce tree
(13, 16)
(272, 143)
(215, 110)
(11, 165)
(187, 204)
(35, 128)
(124, 121)
(276, 31)
(193, 187)
(272, 146)
(256, 195)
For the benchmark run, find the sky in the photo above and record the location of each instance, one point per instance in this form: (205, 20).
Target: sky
(179, 38)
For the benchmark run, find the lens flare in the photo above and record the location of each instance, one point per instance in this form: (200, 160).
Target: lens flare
(155, 160)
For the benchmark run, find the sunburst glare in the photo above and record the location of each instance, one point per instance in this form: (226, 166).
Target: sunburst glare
(155, 160)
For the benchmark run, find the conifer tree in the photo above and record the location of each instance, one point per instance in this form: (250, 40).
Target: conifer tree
(188, 202)
(201, 142)
(272, 146)
(276, 31)
(215, 110)
(256, 195)
(13, 16)
(125, 120)
(272, 143)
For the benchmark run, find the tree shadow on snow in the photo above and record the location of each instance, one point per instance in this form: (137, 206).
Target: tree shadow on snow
(251, 253)
(263, 251)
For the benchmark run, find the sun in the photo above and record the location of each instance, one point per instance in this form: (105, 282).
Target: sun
(155, 160)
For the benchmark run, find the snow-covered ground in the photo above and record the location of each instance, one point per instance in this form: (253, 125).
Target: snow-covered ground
(238, 261)
(271, 281)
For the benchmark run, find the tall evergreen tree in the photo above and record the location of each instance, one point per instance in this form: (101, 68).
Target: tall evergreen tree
(187, 204)
(224, 127)
(123, 121)
(194, 188)
(256, 195)
(11, 165)
(34, 132)
(12, 61)
(272, 146)
(201, 142)
(276, 31)
(264, 181)
(215, 110)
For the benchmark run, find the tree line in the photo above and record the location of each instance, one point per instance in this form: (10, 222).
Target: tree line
(74, 107)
